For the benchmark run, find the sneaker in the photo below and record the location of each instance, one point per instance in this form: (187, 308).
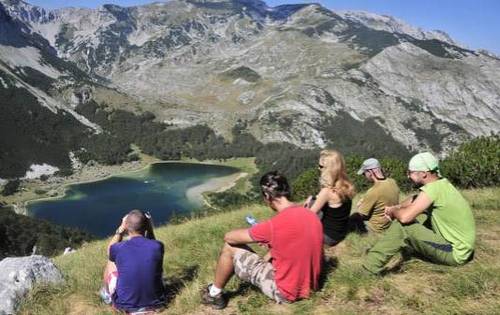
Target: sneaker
(105, 296)
(217, 302)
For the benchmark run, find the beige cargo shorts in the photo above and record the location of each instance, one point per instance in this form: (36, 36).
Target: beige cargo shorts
(249, 266)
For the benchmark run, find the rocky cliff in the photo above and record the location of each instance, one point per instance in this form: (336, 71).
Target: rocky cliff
(290, 72)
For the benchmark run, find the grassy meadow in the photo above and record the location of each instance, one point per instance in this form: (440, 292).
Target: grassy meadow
(192, 248)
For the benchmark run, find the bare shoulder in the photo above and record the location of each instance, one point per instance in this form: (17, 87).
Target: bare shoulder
(330, 195)
(325, 191)
(335, 199)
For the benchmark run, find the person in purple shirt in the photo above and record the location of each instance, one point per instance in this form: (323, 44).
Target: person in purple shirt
(133, 274)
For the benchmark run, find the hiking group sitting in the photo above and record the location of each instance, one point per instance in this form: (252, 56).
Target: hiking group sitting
(437, 224)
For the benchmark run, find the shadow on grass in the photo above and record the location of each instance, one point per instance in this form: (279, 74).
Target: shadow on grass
(329, 266)
(242, 288)
(174, 284)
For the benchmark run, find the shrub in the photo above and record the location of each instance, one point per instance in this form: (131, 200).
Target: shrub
(475, 163)
(353, 162)
(396, 169)
(11, 187)
(305, 184)
(20, 233)
(67, 171)
(230, 199)
(133, 157)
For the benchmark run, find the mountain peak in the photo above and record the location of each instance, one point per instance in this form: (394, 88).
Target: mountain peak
(26, 12)
(394, 25)
(13, 2)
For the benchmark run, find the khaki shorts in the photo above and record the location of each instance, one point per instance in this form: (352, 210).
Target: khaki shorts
(249, 266)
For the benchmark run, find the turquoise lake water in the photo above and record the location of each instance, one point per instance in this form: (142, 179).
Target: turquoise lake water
(99, 206)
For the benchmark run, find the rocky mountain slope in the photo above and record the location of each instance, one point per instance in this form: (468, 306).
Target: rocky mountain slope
(36, 127)
(292, 73)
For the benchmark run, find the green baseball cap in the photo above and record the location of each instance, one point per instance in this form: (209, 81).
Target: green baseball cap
(424, 162)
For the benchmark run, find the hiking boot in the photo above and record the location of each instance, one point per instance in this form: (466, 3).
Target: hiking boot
(217, 302)
(395, 263)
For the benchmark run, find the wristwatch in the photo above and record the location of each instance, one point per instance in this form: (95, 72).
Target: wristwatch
(117, 232)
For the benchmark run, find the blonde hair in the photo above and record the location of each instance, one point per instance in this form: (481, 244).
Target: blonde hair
(334, 174)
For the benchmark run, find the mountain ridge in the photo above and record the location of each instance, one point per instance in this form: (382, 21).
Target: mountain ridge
(288, 71)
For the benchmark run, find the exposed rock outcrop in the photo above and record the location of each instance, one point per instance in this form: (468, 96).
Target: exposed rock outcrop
(288, 71)
(19, 274)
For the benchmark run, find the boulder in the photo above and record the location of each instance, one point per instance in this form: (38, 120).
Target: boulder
(19, 274)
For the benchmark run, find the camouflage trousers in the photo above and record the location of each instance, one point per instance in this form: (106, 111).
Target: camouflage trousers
(249, 266)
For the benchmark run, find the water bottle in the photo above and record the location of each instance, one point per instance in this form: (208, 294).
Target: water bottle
(250, 219)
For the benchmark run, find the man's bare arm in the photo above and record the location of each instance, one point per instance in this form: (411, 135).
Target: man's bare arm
(407, 201)
(407, 212)
(239, 236)
(118, 234)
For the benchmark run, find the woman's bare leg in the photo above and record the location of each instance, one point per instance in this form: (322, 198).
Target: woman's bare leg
(110, 268)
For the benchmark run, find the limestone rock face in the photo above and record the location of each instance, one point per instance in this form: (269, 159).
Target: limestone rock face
(290, 72)
(394, 25)
(18, 275)
(463, 92)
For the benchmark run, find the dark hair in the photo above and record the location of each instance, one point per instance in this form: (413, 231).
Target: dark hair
(139, 222)
(274, 185)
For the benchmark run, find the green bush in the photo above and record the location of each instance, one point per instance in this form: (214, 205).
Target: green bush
(305, 184)
(475, 163)
(396, 169)
(20, 233)
(352, 163)
(228, 199)
(11, 187)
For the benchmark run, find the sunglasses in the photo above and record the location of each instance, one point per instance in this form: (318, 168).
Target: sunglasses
(408, 172)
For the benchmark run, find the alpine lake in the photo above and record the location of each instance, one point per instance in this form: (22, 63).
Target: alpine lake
(163, 189)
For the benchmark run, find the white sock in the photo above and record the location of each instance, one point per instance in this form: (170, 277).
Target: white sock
(214, 290)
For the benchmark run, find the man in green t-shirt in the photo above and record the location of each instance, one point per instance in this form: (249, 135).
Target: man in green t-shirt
(446, 237)
(383, 193)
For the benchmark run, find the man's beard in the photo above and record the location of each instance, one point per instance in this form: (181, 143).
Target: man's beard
(416, 185)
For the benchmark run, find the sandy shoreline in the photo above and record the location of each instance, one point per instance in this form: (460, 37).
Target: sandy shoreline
(218, 184)
(56, 187)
